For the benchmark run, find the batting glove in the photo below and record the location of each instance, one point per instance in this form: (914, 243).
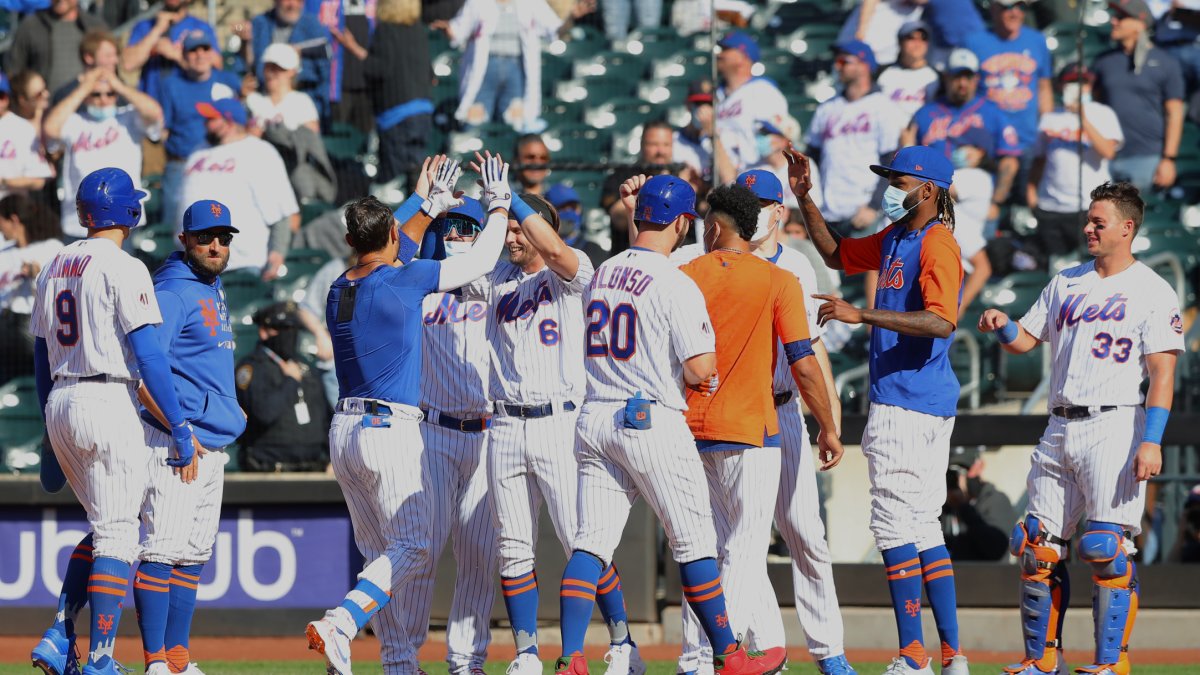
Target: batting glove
(496, 192)
(707, 387)
(441, 195)
(181, 438)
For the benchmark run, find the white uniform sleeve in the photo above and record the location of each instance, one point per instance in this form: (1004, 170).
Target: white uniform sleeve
(1163, 329)
(1034, 320)
(135, 302)
(271, 187)
(583, 275)
(691, 331)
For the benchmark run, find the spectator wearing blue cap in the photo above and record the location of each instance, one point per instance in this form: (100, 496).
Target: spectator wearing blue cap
(156, 44)
(1058, 198)
(910, 82)
(743, 100)
(23, 169)
(971, 156)
(858, 123)
(250, 176)
(197, 81)
(877, 23)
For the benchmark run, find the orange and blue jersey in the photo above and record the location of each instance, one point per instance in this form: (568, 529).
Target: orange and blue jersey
(918, 270)
(751, 302)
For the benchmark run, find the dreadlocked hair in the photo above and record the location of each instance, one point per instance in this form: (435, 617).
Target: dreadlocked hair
(945, 208)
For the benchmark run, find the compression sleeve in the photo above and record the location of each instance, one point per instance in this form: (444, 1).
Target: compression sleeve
(156, 373)
(41, 373)
(467, 267)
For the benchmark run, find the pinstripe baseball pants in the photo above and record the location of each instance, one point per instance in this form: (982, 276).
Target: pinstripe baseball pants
(181, 519)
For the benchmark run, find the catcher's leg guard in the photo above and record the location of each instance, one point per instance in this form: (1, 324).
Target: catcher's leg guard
(1115, 598)
(1045, 592)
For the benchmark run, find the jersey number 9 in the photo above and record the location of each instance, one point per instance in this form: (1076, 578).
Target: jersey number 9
(68, 319)
(622, 329)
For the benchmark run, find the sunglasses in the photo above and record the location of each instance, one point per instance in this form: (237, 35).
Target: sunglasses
(917, 35)
(103, 94)
(200, 48)
(206, 238)
(845, 60)
(465, 227)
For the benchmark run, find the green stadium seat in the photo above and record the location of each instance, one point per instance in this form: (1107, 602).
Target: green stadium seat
(665, 92)
(656, 43)
(689, 65)
(344, 142)
(310, 211)
(597, 90)
(492, 135)
(445, 89)
(558, 113)
(295, 273)
(589, 185)
(577, 143)
(21, 425)
(438, 43)
(623, 113)
(809, 15)
(610, 64)
(554, 70)
(244, 288)
(777, 64)
(153, 243)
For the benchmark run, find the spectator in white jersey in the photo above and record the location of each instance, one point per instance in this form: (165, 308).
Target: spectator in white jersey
(875, 22)
(743, 100)
(910, 82)
(278, 102)
(33, 239)
(23, 169)
(972, 194)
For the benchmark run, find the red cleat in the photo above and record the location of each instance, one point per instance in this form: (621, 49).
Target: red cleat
(573, 665)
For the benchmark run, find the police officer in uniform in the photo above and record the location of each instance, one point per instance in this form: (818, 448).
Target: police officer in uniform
(286, 409)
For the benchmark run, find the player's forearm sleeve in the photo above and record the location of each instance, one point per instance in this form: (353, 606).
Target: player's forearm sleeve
(463, 269)
(281, 236)
(156, 373)
(41, 373)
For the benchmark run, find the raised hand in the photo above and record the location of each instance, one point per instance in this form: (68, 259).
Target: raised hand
(799, 172)
(442, 196)
(493, 171)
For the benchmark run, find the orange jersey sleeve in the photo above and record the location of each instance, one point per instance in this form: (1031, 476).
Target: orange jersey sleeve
(941, 273)
(791, 320)
(863, 254)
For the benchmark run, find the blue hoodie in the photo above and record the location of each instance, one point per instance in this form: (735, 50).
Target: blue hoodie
(198, 338)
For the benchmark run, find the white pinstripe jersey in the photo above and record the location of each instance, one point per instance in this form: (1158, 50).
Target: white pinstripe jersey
(454, 356)
(89, 298)
(535, 329)
(644, 319)
(1100, 331)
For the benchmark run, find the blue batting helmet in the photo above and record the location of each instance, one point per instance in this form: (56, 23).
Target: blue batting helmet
(108, 198)
(663, 199)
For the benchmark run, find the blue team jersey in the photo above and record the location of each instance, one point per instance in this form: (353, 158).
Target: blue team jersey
(939, 121)
(179, 96)
(197, 338)
(1009, 75)
(376, 324)
(918, 270)
(156, 66)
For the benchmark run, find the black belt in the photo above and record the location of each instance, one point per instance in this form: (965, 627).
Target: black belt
(369, 408)
(1078, 412)
(471, 426)
(532, 411)
(783, 397)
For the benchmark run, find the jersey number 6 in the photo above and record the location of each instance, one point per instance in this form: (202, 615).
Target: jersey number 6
(622, 329)
(68, 319)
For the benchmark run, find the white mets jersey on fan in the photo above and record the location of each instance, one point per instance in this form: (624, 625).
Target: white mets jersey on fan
(535, 328)
(89, 297)
(1101, 329)
(454, 352)
(644, 319)
(739, 112)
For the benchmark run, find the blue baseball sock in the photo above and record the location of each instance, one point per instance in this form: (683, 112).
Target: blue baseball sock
(74, 593)
(106, 593)
(521, 601)
(938, 574)
(903, 567)
(702, 589)
(364, 601)
(185, 582)
(612, 606)
(152, 596)
(576, 598)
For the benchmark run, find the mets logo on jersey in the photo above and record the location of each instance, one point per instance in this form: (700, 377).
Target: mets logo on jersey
(891, 275)
(1177, 323)
(510, 307)
(1073, 311)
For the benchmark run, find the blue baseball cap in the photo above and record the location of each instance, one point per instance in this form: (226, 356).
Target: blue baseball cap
(768, 127)
(921, 161)
(4, 88)
(976, 137)
(913, 26)
(229, 108)
(764, 184)
(470, 208)
(561, 194)
(197, 38)
(207, 214)
(859, 50)
(743, 43)
(663, 199)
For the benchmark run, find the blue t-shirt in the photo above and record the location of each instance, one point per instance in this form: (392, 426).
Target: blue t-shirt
(1010, 71)
(952, 21)
(939, 121)
(184, 125)
(197, 337)
(1138, 98)
(156, 66)
(377, 333)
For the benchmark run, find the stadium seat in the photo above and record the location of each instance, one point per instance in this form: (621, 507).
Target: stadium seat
(153, 243)
(689, 65)
(344, 142)
(21, 425)
(557, 112)
(610, 64)
(578, 143)
(588, 184)
(310, 211)
(671, 91)
(295, 273)
(492, 135)
(243, 288)
(656, 43)
(623, 113)
(790, 16)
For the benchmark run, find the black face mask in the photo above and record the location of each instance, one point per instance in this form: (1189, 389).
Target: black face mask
(283, 344)
(213, 139)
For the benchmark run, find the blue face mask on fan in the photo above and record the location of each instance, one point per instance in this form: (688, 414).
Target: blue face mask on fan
(893, 202)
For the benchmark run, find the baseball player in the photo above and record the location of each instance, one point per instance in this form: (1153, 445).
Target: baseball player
(95, 334)
(181, 519)
(647, 329)
(797, 507)
(374, 318)
(1110, 323)
(914, 392)
(535, 325)
(454, 430)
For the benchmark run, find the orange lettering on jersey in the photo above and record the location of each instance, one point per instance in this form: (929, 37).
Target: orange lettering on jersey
(892, 276)
(208, 312)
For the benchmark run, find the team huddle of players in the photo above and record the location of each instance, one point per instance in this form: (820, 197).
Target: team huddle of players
(472, 391)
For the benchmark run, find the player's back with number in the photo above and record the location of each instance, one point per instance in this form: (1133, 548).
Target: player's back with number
(89, 298)
(644, 318)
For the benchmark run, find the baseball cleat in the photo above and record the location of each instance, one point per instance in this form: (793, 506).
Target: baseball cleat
(737, 662)
(327, 639)
(1028, 667)
(192, 669)
(158, 668)
(573, 665)
(476, 670)
(113, 668)
(624, 660)
(835, 665)
(772, 660)
(900, 666)
(55, 654)
(956, 666)
(1119, 668)
(526, 663)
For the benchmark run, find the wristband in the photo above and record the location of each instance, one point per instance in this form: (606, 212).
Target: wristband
(1156, 424)
(520, 209)
(1008, 333)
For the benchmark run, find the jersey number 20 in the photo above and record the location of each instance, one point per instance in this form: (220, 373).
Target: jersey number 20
(622, 327)
(68, 319)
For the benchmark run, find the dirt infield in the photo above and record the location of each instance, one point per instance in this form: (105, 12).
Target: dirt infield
(16, 650)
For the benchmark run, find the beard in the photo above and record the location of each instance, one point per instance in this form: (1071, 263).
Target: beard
(213, 139)
(206, 266)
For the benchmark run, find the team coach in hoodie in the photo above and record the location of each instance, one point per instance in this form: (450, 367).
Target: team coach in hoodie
(184, 505)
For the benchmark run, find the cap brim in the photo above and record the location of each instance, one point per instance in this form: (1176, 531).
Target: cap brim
(887, 171)
(140, 194)
(208, 111)
(881, 171)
